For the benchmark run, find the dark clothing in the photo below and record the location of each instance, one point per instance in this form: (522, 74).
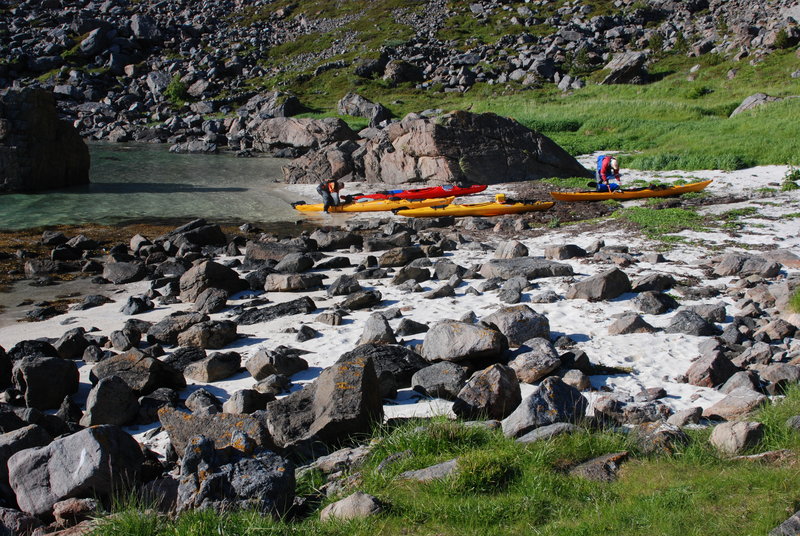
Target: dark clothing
(329, 193)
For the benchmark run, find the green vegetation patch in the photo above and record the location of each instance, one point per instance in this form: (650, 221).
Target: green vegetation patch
(794, 301)
(568, 182)
(660, 223)
(506, 487)
(790, 179)
(730, 219)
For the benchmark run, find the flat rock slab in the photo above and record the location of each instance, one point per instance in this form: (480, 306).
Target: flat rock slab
(601, 469)
(738, 403)
(219, 428)
(549, 432)
(528, 267)
(265, 314)
(434, 472)
(356, 506)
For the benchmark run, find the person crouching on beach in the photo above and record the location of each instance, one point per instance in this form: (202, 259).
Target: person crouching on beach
(329, 190)
(607, 168)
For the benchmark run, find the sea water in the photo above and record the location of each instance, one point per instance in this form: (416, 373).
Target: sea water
(144, 183)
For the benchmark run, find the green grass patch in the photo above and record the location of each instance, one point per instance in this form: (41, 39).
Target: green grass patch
(790, 180)
(661, 223)
(794, 301)
(613, 203)
(506, 487)
(568, 182)
(792, 215)
(176, 91)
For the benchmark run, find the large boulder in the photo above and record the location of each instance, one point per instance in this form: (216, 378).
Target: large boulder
(400, 256)
(401, 363)
(300, 133)
(124, 272)
(690, 323)
(209, 275)
(45, 381)
(527, 267)
(343, 286)
(218, 366)
(711, 370)
(291, 282)
(39, 151)
(362, 299)
(213, 334)
(626, 68)
(271, 312)
(553, 401)
(734, 437)
(243, 479)
(143, 374)
(358, 106)
(492, 393)
(377, 330)
(519, 323)
(753, 101)
(27, 437)
(743, 265)
(603, 286)
(480, 148)
(282, 360)
(258, 251)
(91, 463)
(535, 359)
(274, 104)
(456, 341)
(166, 331)
(181, 427)
(195, 234)
(440, 380)
(738, 403)
(111, 401)
(356, 506)
(343, 400)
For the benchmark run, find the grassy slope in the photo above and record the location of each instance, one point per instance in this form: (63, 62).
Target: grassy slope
(509, 488)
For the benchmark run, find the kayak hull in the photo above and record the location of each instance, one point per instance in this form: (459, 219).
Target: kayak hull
(476, 209)
(629, 194)
(426, 193)
(378, 205)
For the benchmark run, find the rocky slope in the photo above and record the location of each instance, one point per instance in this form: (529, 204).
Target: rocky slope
(119, 67)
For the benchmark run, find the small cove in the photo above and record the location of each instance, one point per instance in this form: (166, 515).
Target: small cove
(143, 183)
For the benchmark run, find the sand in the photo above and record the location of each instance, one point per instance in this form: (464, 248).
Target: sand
(654, 359)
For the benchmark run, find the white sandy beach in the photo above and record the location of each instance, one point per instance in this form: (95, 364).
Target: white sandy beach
(655, 359)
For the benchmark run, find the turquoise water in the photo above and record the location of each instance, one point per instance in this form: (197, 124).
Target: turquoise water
(146, 183)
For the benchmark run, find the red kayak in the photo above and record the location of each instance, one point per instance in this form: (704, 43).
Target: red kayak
(425, 193)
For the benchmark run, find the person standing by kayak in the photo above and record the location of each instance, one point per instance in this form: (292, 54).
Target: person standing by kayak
(607, 169)
(329, 190)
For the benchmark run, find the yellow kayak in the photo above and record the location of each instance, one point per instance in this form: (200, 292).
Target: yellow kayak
(492, 208)
(639, 193)
(378, 205)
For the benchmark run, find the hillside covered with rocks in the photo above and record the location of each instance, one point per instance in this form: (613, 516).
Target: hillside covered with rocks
(211, 72)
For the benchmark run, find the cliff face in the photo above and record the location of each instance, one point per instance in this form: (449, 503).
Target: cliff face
(38, 151)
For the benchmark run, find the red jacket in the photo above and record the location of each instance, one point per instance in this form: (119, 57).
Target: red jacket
(606, 172)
